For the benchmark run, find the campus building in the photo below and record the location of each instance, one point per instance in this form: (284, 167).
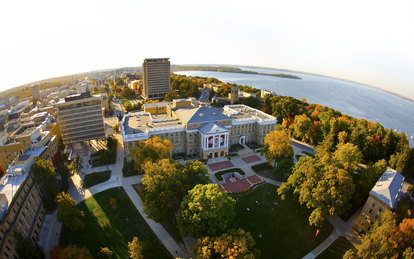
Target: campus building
(156, 78)
(34, 136)
(385, 195)
(80, 118)
(196, 131)
(21, 209)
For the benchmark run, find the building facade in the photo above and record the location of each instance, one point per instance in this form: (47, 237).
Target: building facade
(21, 207)
(28, 137)
(199, 132)
(385, 195)
(35, 92)
(80, 118)
(156, 78)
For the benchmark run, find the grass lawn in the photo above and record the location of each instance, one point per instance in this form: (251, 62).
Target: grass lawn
(219, 175)
(337, 249)
(284, 227)
(90, 180)
(169, 225)
(113, 228)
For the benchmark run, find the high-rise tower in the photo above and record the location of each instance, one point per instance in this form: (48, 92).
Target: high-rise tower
(156, 77)
(234, 95)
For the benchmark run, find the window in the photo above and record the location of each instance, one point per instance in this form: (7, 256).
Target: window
(373, 204)
(370, 211)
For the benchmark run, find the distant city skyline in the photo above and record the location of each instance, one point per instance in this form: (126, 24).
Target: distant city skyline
(363, 41)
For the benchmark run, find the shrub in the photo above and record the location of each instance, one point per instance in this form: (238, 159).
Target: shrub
(219, 175)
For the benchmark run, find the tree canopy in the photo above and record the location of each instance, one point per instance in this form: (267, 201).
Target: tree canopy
(152, 149)
(165, 184)
(70, 216)
(324, 182)
(206, 210)
(231, 244)
(136, 249)
(277, 145)
(46, 177)
(386, 239)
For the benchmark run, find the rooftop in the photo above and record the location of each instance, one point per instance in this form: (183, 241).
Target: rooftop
(14, 177)
(388, 187)
(142, 122)
(242, 112)
(200, 114)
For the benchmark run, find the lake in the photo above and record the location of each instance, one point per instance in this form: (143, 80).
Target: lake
(351, 98)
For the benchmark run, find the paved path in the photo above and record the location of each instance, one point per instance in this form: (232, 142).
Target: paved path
(51, 230)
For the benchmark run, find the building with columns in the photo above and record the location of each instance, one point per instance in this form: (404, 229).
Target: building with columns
(197, 131)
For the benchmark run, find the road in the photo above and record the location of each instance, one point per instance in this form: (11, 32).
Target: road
(204, 96)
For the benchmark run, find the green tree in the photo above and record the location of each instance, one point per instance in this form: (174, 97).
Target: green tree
(152, 149)
(321, 185)
(70, 216)
(252, 101)
(171, 96)
(302, 125)
(25, 247)
(231, 244)
(75, 252)
(206, 210)
(277, 145)
(136, 249)
(347, 157)
(165, 183)
(128, 94)
(368, 177)
(46, 177)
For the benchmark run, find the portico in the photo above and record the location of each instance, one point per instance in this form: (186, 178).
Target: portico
(214, 140)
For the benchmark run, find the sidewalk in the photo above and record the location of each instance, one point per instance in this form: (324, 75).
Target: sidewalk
(165, 238)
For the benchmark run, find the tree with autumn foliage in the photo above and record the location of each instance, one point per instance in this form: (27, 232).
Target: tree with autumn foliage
(206, 210)
(386, 239)
(231, 244)
(136, 249)
(152, 149)
(277, 145)
(70, 216)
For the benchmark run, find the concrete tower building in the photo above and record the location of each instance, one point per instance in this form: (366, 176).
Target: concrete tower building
(156, 77)
(234, 95)
(35, 92)
(80, 118)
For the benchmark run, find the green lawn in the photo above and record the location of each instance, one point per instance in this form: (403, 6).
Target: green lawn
(113, 228)
(170, 225)
(90, 180)
(337, 249)
(284, 227)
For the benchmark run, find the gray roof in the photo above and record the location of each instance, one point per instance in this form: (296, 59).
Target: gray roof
(388, 187)
(212, 127)
(201, 114)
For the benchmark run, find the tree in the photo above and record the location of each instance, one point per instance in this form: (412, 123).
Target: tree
(251, 101)
(75, 252)
(116, 128)
(321, 185)
(46, 177)
(171, 96)
(25, 247)
(348, 157)
(128, 93)
(160, 185)
(385, 239)
(136, 249)
(369, 176)
(70, 216)
(105, 253)
(165, 183)
(152, 149)
(231, 244)
(277, 145)
(206, 210)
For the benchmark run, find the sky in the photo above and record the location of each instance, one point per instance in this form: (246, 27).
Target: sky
(370, 42)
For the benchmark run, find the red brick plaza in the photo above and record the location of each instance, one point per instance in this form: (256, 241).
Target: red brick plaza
(240, 185)
(251, 159)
